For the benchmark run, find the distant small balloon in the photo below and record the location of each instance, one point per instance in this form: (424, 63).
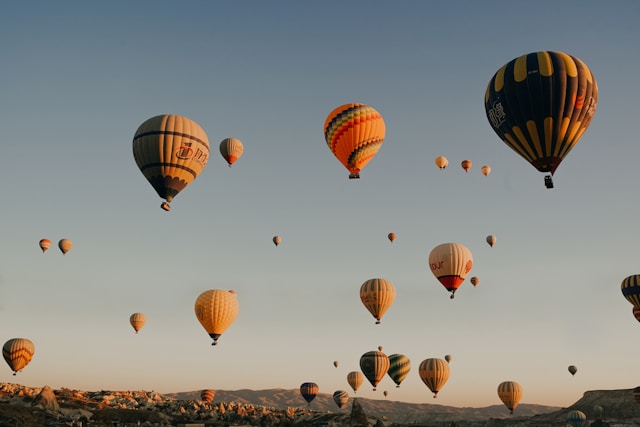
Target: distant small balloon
(572, 369)
(491, 240)
(448, 358)
(341, 398)
(442, 162)
(475, 281)
(386, 393)
(231, 149)
(636, 313)
(65, 245)
(466, 165)
(137, 321)
(392, 237)
(486, 170)
(45, 244)
(277, 240)
(336, 363)
(577, 418)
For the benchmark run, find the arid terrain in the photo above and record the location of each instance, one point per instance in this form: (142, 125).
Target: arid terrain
(35, 406)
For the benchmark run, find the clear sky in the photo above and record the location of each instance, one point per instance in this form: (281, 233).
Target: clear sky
(78, 78)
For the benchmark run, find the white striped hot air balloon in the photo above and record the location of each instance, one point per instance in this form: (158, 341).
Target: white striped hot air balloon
(434, 373)
(377, 295)
(170, 151)
(216, 310)
(18, 352)
(231, 150)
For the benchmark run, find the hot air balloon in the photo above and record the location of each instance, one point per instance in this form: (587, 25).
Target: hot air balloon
(577, 418)
(466, 165)
(354, 134)
(377, 295)
(216, 310)
(207, 395)
(341, 398)
(631, 289)
(448, 358)
(486, 170)
(336, 363)
(391, 237)
(491, 240)
(386, 393)
(380, 348)
(137, 321)
(18, 352)
(475, 281)
(434, 373)
(540, 104)
(572, 369)
(44, 244)
(510, 392)
(355, 380)
(309, 391)
(442, 162)
(399, 367)
(374, 365)
(636, 313)
(450, 263)
(277, 240)
(231, 150)
(65, 245)
(171, 151)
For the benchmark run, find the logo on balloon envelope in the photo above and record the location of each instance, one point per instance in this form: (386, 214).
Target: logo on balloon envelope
(186, 152)
(496, 114)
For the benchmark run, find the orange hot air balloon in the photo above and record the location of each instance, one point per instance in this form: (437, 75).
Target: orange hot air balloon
(44, 244)
(207, 395)
(450, 263)
(231, 150)
(540, 104)
(354, 133)
(636, 313)
(377, 295)
(216, 310)
(510, 392)
(277, 240)
(466, 165)
(170, 151)
(486, 170)
(137, 321)
(374, 365)
(355, 380)
(434, 374)
(475, 281)
(309, 391)
(65, 245)
(442, 162)
(391, 237)
(18, 352)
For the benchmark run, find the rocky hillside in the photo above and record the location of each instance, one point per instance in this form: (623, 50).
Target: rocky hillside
(32, 406)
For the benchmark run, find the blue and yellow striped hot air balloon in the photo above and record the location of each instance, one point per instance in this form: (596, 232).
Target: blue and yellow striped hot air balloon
(354, 133)
(631, 289)
(309, 391)
(540, 105)
(399, 367)
(577, 418)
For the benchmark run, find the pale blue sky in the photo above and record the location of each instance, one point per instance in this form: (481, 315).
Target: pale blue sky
(80, 77)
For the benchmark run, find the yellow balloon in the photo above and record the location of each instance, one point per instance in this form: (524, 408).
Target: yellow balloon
(355, 380)
(442, 162)
(510, 392)
(216, 310)
(65, 245)
(170, 151)
(377, 295)
(18, 352)
(137, 321)
(434, 374)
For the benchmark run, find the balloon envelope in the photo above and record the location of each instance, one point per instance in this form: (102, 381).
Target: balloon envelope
(577, 418)
(466, 165)
(434, 373)
(309, 391)
(355, 380)
(354, 133)
(486, 170)
(216, 310)
(170, 151)
(630, 287)
(448, 358)
(277, 240)
(391, 237)
(377, 295)
(137, 321)
(341, 398)
(231, 149)
(475, 281)
(374, 365)
(540, 104)
(491, 240)
(18, 352)
(207, 395)
(450, 263)
(572, 369)
(65, 245)
(336, 363)
(442, 162)
(510, 393)
(44, 244)
(399, 367)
